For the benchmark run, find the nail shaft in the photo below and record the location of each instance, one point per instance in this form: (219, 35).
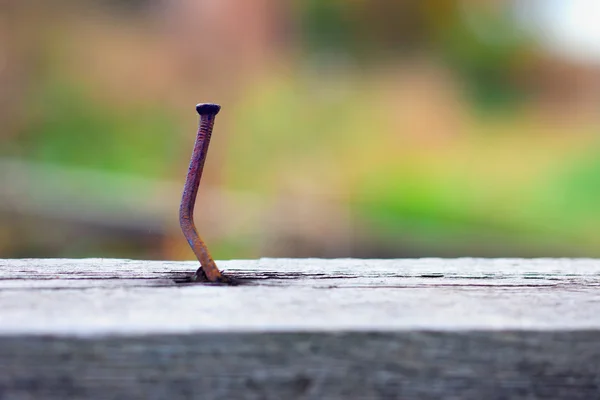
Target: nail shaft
(208, 268)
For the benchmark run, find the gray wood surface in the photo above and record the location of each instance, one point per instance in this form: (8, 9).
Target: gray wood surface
(95, 296)
(388, 365)
(344, 328)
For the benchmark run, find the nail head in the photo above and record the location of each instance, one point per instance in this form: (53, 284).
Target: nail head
(208, 108)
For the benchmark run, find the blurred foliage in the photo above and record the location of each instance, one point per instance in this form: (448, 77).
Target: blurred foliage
(483, 46)
(486, 57)
(439, 196)
(366, 32)
(372, 105)
(68, 127)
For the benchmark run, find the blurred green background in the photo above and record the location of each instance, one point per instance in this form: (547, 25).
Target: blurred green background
(364, 128)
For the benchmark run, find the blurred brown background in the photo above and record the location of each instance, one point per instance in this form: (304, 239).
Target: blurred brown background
(365, 128)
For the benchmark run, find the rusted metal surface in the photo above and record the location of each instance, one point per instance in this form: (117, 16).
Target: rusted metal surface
(208, 268)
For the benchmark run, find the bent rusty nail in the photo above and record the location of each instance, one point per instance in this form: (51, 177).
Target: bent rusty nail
(208, 269)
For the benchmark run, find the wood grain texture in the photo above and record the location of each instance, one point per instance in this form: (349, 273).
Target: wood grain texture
(392, 365)
(91, 297)
(310, 329)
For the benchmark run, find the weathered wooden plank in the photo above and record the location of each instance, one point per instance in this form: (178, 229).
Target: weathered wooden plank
(88, 297)
(393, 365)
(336, 329)
(470, 268)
